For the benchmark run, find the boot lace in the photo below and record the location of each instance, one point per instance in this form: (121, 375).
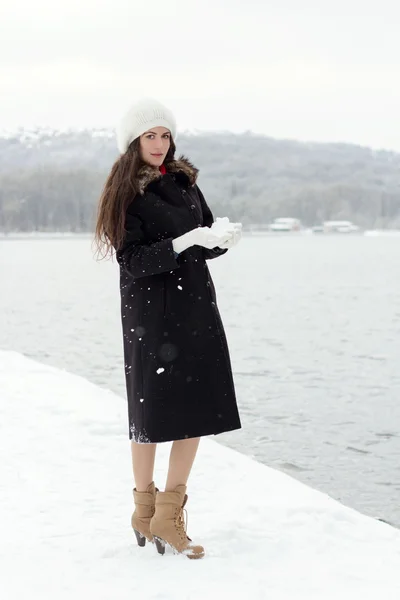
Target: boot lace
(182, 525)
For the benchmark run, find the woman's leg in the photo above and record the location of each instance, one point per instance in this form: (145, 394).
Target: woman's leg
(181, 458)
(168, 523)
(143, 457)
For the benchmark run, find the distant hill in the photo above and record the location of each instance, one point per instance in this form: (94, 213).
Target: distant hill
(51, 180)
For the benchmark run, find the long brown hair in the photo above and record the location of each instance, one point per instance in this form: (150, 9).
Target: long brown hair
(120, 188)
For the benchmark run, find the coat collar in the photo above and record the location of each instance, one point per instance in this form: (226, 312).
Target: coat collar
(182, 166)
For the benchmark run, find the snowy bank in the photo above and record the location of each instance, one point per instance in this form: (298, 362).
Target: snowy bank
(66, 502)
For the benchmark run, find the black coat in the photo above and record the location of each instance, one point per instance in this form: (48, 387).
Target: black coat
(177, 366)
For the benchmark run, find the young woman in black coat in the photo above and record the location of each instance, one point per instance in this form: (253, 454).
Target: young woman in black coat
(177, 366)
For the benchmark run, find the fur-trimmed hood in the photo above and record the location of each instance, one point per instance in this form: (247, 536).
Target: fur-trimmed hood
(148, 174)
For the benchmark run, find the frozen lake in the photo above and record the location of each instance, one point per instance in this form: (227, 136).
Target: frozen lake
(313, 325)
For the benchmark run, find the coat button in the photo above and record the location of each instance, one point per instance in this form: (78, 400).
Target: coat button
(183, 192)
(192, 206)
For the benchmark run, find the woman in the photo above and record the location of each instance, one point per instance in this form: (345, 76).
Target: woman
(177, 366)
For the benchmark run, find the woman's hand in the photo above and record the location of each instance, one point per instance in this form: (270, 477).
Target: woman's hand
(201, 236)
(209, 238)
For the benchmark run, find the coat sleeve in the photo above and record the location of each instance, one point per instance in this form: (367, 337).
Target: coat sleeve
(138, 257)
(208, 220)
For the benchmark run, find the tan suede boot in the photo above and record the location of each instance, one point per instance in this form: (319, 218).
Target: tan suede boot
(168, 524)
(144, 510)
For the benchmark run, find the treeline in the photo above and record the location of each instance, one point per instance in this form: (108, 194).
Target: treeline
(49, 200)
(54, 184)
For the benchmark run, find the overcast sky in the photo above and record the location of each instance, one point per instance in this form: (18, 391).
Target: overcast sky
(324, 70)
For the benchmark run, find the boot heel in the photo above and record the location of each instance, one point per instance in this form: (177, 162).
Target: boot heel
(160, 545)
(141, 539)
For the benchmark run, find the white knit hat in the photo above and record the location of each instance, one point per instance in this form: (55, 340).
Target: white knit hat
(141, 117)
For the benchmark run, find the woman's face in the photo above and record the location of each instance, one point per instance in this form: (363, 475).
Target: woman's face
(154, 145)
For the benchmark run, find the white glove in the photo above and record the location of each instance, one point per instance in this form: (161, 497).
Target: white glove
(235, 239)
(235, 229)
(200, 236)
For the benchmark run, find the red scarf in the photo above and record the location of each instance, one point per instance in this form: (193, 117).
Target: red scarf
(163, 170)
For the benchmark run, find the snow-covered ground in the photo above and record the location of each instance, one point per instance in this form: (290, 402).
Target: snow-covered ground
(66, 502)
